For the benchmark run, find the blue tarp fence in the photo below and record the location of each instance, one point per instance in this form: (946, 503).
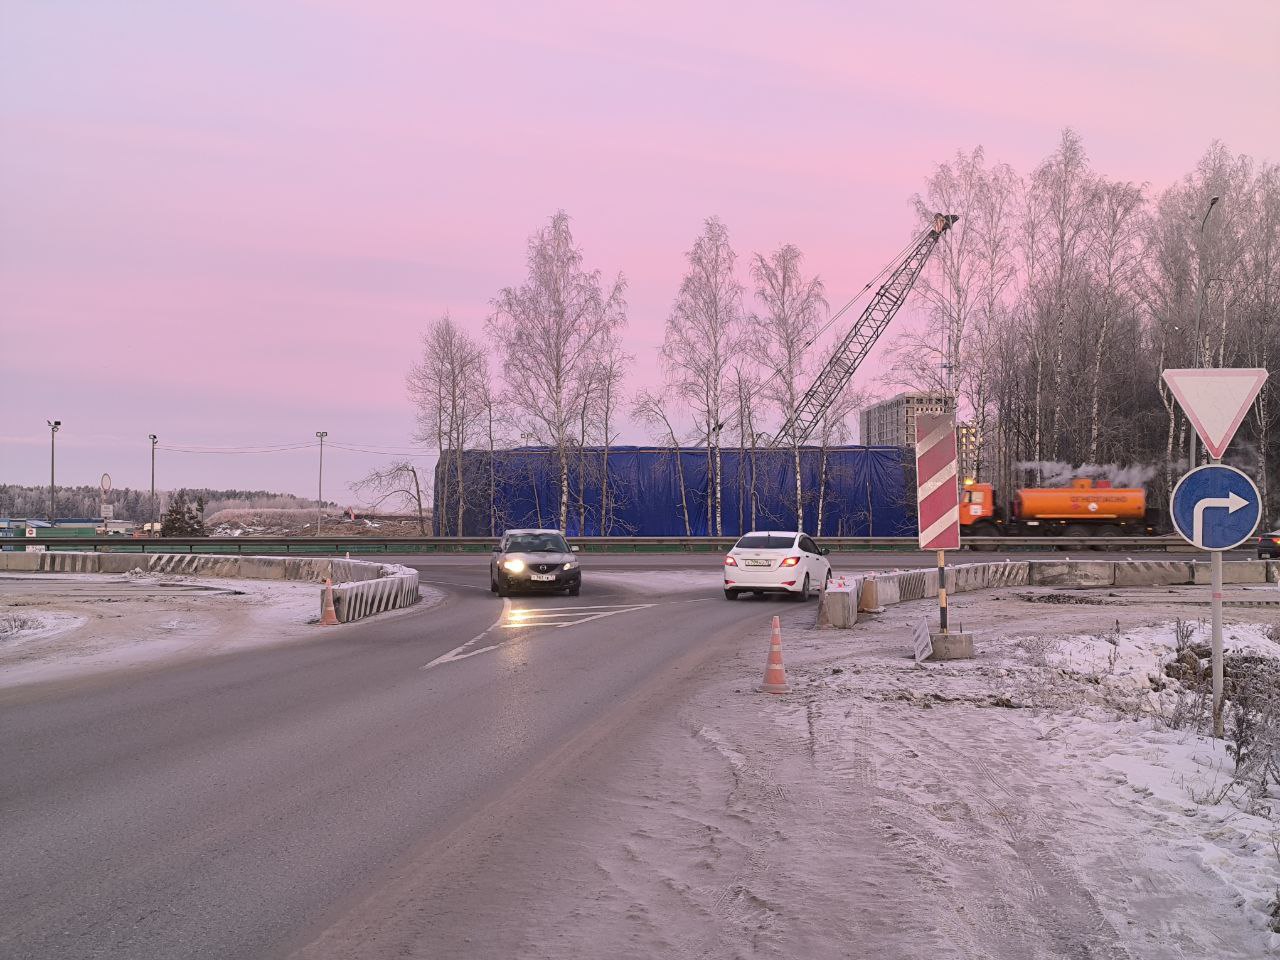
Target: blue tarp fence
(860, 491)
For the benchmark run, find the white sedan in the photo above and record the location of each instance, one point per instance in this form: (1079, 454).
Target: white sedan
(775, 562)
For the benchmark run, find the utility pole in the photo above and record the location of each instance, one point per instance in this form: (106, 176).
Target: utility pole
(1199, 356)
(320, 483)
(154, 518)
(53, 433)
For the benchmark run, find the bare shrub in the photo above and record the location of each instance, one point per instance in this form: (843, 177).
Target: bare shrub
(12, 623)
(1039, 649)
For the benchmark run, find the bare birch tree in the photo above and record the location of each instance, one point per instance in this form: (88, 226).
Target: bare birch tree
(793, 308)
(548, 331)
(448, 386)
(701, 341)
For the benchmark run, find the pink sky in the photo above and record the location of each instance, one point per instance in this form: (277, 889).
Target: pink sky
(227, 223)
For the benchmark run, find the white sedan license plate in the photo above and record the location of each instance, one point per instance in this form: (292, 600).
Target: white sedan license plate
(543, 577)
(758, 563)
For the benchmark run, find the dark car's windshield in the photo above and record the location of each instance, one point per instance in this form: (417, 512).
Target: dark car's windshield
(765, 541)
(537, 543)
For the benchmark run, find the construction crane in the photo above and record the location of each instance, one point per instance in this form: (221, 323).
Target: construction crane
(857, 343)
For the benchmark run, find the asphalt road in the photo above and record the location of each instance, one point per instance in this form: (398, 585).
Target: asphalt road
(228, 807)
(233, 807)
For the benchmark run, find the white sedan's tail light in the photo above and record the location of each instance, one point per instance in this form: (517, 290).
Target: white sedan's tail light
(730, 562)
(790, 561)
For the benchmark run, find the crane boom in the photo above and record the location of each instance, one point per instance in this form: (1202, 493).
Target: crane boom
(857, 343)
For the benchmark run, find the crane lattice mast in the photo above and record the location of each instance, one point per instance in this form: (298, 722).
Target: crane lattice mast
(857, 343)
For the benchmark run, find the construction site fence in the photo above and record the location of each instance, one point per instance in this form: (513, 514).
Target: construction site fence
(340, 546)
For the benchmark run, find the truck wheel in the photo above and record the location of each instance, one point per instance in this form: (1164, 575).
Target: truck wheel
(1107, 530)
(1075, 530)
(983, 530)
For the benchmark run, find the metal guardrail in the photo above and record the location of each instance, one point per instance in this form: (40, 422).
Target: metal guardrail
(330, 546)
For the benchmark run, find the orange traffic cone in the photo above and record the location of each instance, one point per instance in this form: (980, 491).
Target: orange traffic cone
(775, 674)
(328, 615)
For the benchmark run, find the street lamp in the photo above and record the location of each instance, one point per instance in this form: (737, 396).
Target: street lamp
(1199, 347)
(53, 432)
(154, 518)
(321, 434)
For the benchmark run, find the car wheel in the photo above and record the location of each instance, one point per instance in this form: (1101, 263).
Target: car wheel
(730, 594)
(803, 595)
(493, 584)
(575, 590)
(501, 589)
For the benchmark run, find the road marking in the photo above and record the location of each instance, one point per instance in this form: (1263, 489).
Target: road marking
(457, 652)
(512, 618)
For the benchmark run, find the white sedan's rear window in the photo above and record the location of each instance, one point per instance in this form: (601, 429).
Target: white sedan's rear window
(763, 541)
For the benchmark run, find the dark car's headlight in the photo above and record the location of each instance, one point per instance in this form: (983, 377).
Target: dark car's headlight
(571, 565)
(514, 565)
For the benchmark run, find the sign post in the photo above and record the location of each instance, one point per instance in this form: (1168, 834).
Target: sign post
(1214, 507)
(938, 510)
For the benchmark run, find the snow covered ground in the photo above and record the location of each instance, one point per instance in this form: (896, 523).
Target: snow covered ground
(66, 624)
(1029, 803)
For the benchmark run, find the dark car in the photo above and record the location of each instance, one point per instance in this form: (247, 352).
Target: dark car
(534, 560)
(1269, 545)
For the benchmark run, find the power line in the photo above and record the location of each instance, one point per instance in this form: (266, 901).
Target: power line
(278, 448)
(383, 451)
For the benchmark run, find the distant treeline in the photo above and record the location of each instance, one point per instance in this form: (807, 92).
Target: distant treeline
(25, 502)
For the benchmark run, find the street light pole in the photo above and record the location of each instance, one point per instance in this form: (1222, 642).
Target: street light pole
(1199, 348)
(53, 433)
(154, 518)
(320, 483)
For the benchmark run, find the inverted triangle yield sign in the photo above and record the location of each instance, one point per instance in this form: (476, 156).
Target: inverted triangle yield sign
(1216, 401)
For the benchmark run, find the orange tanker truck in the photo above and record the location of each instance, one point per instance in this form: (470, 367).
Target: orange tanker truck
(1083, 509)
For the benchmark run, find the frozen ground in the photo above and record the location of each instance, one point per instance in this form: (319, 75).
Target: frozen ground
(64, 624)
(1030, 803)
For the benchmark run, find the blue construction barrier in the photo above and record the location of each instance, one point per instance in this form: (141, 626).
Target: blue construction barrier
(864, 491)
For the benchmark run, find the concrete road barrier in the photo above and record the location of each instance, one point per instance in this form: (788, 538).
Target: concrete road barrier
(1010, 574)
(19, 561)
(1152, 573)
(869, 596)
(263, 568)
(363, 589)
(397, 587)
(838, 604)
(1233, 571)
(123, 562)
(1073, 573)
(51, 562)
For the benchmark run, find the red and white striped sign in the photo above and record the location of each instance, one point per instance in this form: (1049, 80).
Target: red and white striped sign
(937, 494)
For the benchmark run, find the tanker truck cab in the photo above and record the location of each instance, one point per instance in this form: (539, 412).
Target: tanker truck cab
(979, 515)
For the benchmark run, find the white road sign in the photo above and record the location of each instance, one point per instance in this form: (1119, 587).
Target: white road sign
(106, 482)
(1216, 401)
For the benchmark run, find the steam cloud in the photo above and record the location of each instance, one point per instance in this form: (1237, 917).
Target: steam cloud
(1056, 473)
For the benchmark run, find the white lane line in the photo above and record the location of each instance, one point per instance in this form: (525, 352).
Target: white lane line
(523, 618)
(599, 606)
(457, 652)
(542, 623)
(506, 621)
